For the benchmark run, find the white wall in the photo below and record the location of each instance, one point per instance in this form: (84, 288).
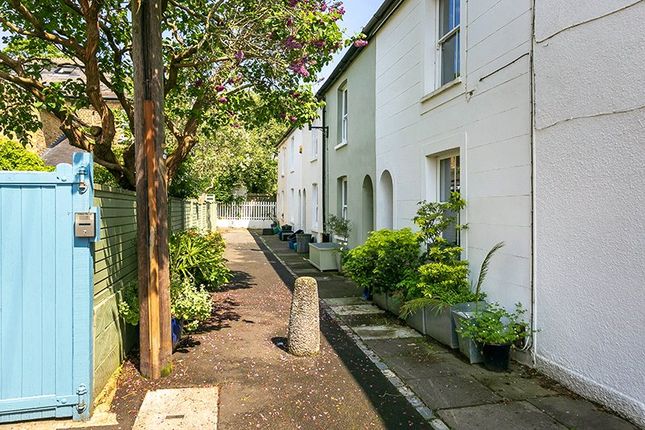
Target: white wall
(590, 189)
(486, 119)
(300, 176)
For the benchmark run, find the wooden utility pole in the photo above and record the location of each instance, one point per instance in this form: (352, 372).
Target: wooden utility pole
(155, 341)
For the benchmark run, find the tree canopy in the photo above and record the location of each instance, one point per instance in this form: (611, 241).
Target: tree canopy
(235, 156)
(226, 61)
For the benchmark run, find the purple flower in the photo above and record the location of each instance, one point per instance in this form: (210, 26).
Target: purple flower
(360, 43)
(291, 43)
(293, 3)
(293, 118)
(222, 99)
(323, 6)
(289, 22)
(220, 88)
(299, 67)
(239, 55)
(318, 43)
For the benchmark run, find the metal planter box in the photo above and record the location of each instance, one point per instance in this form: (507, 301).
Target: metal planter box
(393, 304)
(323, 256)
(467, 346)
(380, 299)
(417, 321)
(440, 325)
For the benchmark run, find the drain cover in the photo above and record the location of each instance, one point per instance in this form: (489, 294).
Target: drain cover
(178, 409)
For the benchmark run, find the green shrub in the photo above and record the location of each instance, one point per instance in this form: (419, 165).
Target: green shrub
(384, 260)
(199, 257)
(189, 303)
(13, 156)
(495, 325)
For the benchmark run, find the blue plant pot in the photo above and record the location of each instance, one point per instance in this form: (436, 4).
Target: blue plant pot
(177, 328)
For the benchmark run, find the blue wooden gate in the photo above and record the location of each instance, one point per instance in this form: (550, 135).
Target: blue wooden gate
(46, 293)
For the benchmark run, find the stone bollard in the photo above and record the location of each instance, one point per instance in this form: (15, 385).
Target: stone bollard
(304, 321)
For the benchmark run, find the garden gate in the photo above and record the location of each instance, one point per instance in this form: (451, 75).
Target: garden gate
(46, 269)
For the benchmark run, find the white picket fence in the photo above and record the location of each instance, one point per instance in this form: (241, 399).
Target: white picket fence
(249, 214)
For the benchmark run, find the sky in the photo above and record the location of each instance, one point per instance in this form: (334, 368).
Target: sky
(357, 14)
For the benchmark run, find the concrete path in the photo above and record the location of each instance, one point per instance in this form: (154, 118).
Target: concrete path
(443, 387)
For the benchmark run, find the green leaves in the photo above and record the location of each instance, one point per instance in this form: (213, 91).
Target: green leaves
(495, 325)
(13, 156)
(199, 257)
(384, 260)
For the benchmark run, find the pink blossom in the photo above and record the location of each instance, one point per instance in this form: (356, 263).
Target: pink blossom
(360, 43)
(319, 43)
(222, 99)
(220, 88)
(291, 43)
(239, 55)
(293, 118)
(289, 22)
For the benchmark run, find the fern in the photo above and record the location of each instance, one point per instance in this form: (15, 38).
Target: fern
(483, 270)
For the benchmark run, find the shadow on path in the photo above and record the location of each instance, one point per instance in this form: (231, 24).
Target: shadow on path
(392, 407)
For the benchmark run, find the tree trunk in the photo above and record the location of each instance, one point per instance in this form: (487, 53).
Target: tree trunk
(152, 199)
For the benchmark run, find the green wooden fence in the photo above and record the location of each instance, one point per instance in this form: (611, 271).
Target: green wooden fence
(115, 265)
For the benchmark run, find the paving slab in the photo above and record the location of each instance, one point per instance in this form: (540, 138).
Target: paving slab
(363, 309)
(452, 391)
(410, 347)
(580, 414)
(385, 332)
(368, 320)
(183, 408)
(430, 365)
(513, 386)
(501, 416)
(340, 301)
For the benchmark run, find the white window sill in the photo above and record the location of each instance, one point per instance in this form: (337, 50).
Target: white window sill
(340, 145)
(441, 89)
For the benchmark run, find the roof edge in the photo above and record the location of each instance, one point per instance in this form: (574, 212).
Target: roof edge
(370, 29)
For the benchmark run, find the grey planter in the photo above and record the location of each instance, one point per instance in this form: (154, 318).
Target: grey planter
(417, 321)
(467, 346)
(393, 304)
(440, 325)
(380, 300)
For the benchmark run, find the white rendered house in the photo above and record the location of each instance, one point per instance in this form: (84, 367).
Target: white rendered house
(299, 196)
(536, 116)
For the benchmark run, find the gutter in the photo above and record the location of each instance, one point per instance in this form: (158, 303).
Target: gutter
(533, 192)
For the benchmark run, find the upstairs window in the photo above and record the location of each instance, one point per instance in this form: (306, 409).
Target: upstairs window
(314, 144)
(449, 40)
(292, 154)
(343, 115)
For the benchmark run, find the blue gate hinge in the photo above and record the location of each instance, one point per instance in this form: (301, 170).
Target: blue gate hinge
(81, 391)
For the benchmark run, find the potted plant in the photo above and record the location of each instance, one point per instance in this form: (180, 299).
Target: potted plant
(496, 331)
(464, 311)
(339, 228)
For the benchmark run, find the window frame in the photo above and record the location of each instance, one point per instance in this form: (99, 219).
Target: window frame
(441, 41)
(344, 115)
(314, 144)
(344, 198)
(292, 154)
(456, 179)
